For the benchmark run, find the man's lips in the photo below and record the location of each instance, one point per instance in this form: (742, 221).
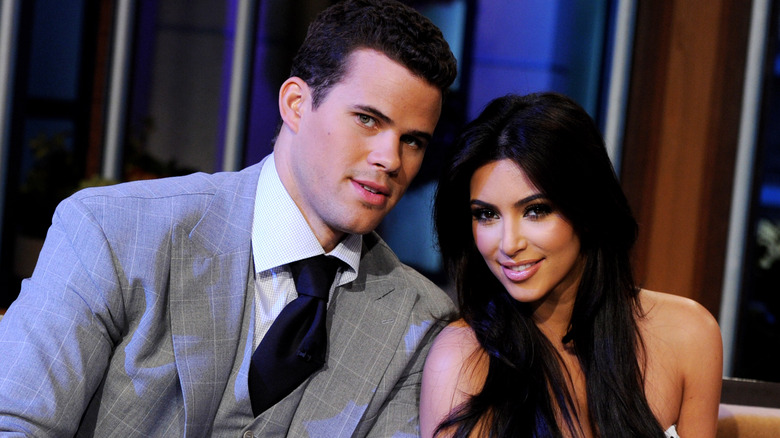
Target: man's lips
(375, 188)
(372, 193)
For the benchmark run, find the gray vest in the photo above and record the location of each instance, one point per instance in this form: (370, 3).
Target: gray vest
(234, 416)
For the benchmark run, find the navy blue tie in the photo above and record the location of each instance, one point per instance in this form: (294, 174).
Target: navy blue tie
(296, 343)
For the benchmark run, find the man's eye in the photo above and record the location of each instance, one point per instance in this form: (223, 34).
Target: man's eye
(366, 120)
(412, 141)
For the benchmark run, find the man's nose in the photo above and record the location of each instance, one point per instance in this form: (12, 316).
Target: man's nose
(386, 152)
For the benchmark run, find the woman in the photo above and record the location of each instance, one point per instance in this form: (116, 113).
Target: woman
(555, 338)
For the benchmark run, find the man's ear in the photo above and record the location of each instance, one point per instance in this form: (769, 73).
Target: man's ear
(293, 94)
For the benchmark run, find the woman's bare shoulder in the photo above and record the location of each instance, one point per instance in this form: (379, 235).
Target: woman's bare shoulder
(667, 312)
(455, 369)
(456, 353)
(681, 323)
(454, 344)
(685, 352)
(685, 361)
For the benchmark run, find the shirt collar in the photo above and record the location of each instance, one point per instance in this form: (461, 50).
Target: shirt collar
(281, 235)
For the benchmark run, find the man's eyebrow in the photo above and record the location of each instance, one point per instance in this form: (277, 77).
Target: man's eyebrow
(427, 136)
(374, 112)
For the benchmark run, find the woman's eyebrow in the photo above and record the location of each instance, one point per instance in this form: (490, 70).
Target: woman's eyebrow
(523, 201)
(528, 199)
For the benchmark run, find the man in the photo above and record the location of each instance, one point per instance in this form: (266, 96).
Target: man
(149, 299)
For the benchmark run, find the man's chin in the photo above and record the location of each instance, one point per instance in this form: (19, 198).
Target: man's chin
(363, 227)
(362, 230)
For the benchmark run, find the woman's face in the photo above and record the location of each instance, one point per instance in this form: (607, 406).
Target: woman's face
(527, 244)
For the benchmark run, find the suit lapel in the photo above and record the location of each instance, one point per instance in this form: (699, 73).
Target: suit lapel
(209, 269)
(379, 303)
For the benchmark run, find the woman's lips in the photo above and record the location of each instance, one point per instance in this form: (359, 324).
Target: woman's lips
(521, 271)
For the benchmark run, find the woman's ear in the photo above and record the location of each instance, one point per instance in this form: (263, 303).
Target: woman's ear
(293, 94)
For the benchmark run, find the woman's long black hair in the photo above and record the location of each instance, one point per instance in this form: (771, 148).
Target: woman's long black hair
(558, 146)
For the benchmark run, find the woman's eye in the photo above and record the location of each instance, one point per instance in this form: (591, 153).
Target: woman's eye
(483, 214)
(366, 120)
(537, 211)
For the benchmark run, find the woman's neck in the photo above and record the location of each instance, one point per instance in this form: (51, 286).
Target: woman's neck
(553, 318)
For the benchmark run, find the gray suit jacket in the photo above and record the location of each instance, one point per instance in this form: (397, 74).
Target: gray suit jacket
(133, 320)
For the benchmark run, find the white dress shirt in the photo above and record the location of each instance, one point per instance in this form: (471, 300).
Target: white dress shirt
(280, 236)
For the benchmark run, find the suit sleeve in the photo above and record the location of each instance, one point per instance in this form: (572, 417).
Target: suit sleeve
(400, 416)
(57, 337)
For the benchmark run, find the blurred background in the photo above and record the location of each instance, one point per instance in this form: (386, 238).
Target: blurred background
(96, 92)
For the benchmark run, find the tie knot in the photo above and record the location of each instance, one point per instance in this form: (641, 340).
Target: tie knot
(313, 276)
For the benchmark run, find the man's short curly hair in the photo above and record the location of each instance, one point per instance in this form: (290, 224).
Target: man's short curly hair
(387, 26)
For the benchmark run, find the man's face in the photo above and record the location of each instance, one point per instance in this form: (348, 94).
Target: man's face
(353, 157)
